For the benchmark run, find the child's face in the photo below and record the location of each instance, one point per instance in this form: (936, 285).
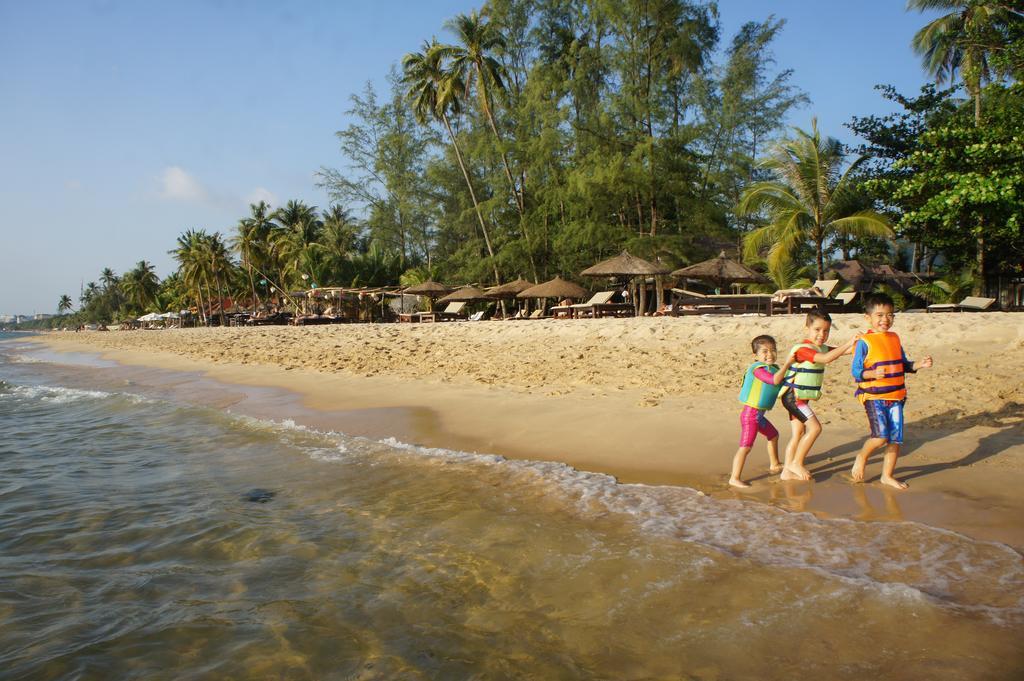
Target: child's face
(881, 318)
(765, 353)
(817, 331)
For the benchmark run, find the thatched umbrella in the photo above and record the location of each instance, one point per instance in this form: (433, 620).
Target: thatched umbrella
(721, 270)
(464, 294)
(626, 265)
(429, 289)
(556, 288)
(509, 290)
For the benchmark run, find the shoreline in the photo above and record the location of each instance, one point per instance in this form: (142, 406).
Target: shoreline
(966, 481)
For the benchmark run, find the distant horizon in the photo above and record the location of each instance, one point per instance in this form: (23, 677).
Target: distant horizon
(126, 125)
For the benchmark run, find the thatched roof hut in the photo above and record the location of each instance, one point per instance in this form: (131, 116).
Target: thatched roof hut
(721, 271)
(509, 290)
(556, 288)
(625, 265)
(429, 288)
(464, 294)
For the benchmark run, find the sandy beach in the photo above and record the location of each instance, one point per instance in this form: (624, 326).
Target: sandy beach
(647, 400)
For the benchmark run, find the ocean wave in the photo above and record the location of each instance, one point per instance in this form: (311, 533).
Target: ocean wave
(904, 560)
(62, 395)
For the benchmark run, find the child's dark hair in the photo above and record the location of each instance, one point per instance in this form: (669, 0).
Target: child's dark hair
(815, 314)
(759, 341)
(878, 300)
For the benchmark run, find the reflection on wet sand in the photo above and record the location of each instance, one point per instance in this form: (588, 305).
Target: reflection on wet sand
(870, 502)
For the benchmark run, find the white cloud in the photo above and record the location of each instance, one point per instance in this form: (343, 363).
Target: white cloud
(262, 194)
(177, 185)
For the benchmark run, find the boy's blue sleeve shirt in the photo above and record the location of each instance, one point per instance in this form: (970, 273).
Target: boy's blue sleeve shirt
(860, 352)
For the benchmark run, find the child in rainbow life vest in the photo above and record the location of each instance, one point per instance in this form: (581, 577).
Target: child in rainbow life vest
(879, 365)
(802, 384)
(761, 384)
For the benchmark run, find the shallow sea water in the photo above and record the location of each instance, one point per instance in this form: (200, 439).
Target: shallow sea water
(152, 538)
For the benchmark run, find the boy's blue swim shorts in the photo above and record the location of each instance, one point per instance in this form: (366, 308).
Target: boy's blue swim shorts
(886, 419)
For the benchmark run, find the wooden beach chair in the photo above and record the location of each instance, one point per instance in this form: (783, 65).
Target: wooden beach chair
(449, 314)
(587, 309)
(968, 304)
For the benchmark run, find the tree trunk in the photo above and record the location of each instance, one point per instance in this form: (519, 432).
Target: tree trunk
(472, 195)
(821, 259)
(979, 281)
(518, 193)
(252, 286)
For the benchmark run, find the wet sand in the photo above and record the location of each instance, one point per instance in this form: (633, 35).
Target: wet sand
(646, 400)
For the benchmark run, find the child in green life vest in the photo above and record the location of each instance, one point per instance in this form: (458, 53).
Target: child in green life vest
(802, 385)
(760, 389)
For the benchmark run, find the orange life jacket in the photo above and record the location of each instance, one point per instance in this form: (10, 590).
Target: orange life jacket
(884, 349)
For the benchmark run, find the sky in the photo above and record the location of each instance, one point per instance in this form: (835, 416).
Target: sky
(122, 124)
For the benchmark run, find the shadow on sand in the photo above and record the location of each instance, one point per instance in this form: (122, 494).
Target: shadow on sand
(1009, 422)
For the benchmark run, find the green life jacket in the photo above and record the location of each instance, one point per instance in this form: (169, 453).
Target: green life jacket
(756, 393)
(805, 378)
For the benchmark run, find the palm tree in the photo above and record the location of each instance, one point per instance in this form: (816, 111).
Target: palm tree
(252, 242)
(810, 200)
(433, 93)
(963, 41)
(141, 285)
(191, 265)
(473, 63)
(64, 304)
(89, 293)
(338, 241)
(296, 242)
(949, 289)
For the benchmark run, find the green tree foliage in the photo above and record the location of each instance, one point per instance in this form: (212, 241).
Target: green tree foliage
(888, 142)
(967, 184)
(64, 305)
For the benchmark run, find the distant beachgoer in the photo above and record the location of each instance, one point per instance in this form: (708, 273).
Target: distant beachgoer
(761, 384)
(802, 385)
(879, 365)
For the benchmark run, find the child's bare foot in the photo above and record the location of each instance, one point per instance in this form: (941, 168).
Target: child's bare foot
(893, 482)
(775, 468)
(794, 473)
(736, 482)
(857, 473)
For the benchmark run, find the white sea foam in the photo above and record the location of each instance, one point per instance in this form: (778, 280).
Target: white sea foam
(57, 394)
(897, 560)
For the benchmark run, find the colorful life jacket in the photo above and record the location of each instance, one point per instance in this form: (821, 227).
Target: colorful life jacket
(805, 378)
(756, 393)
(884, 349)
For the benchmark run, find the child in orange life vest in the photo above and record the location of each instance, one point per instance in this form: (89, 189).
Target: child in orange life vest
(760, 390)
(802, 384)
(879, 365)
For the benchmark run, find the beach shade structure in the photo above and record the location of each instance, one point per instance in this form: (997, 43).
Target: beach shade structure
(626, 265)
(721, 271)
(466, 294)
(555, 288)
(151, 317)
(509, 290)
(429, 289)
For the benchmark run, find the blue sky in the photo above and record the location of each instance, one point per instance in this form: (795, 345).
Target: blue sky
(124, 123)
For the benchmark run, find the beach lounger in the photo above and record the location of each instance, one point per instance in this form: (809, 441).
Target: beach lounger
(449, 314)
(740, 303)
(587, 309)
(968, 304)
(827, 287)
